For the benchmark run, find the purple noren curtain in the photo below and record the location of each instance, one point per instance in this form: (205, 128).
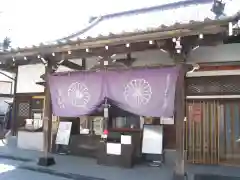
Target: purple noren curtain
(146, 92)
(76, 93)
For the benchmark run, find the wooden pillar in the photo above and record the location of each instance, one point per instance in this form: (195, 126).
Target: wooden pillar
(14, 122)
(47, 160)
(179, 171)
(180, 59)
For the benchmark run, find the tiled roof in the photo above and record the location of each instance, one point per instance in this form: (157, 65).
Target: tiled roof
(149, 19)
(154, 18)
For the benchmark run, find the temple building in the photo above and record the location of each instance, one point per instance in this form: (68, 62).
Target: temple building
(181, 70)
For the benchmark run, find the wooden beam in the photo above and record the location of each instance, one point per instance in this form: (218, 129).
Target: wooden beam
(14, 122)
(72, 65)
(128, 61)
(7, 95)
(77, 53)
(209, 27)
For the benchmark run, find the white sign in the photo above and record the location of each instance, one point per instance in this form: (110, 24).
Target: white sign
(152, 141)
(63, 134)
(165, 120)
(114, 148)
(105, 112)
(126, 139)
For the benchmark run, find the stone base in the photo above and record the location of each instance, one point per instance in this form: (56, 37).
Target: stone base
(177, 176)
(46, 161)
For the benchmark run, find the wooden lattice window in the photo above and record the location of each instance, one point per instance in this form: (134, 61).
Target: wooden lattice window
(213, 85)
(23, 109)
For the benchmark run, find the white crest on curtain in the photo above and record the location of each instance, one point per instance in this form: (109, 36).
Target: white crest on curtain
(79, 94)
(137, 92)
(166, 93)
(60, 100)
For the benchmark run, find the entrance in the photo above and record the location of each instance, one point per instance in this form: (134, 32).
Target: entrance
(213, 131)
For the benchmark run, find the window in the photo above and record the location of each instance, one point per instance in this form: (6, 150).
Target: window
(91, 124)
(132, 122)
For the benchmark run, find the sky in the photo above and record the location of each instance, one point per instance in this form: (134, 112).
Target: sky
(29, 22)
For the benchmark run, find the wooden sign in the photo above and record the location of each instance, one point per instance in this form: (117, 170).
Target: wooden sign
(63, 133)
(196, 113)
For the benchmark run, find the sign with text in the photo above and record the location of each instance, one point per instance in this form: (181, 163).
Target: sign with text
(63, 133)
(196, 113)
(167, 120)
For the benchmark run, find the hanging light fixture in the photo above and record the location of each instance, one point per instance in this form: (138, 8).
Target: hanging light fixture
(127, 45)
(87, 50)
(150, 42)
(230, 28)
(106, 47)
(200, 36)
(60, 62)
(53, 54)
(69, 52)
(196, 47)
(179, 51)
(178, 46)
(25, 58)
(44, 61)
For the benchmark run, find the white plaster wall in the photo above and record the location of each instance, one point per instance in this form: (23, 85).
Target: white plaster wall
(28, 75)
(63, 68)
(5, 88)
(220, 53)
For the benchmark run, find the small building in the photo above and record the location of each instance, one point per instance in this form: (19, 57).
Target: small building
(191, 35)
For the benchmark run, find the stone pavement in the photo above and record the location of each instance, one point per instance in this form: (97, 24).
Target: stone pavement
(9, 170)
(81, 168)
(78, 168)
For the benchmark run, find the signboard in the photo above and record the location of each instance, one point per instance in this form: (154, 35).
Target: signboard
(166, 120)
(126, 139)
(114, 148)
(63, 133)
(152, 141)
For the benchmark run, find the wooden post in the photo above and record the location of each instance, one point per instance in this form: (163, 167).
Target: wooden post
(47, 160)
(179, 170)
(14, 123)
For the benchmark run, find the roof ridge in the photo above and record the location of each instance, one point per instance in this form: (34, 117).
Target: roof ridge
(88, 27)
(96, 20)
(158, 7)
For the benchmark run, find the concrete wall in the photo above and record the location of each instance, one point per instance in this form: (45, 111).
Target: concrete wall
(30, 74)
